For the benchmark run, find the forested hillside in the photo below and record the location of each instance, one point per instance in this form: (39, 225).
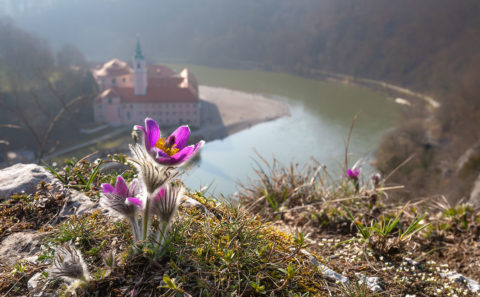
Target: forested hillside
(431, 46)
(45, 97)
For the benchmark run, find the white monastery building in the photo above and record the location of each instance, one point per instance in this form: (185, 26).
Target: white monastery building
(129, 94)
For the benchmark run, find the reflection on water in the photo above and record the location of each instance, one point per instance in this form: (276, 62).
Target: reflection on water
(321, 114)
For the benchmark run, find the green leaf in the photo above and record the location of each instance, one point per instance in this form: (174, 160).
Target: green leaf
(94, 174)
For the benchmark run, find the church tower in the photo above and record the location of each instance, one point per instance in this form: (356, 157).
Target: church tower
(139, 71)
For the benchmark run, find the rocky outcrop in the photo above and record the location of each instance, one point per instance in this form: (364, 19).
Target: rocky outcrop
(20, 245)
(23, 178)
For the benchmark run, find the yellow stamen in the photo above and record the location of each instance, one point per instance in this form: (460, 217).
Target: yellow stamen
(168, 150)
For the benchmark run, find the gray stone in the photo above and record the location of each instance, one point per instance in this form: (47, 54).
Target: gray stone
(76, 203)
(36, 286)
(23, 178)
(373, 283)
(326, 271)
(20, 245)
(472, 285)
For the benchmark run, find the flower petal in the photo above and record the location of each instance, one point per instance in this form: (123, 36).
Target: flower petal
(107, 188)
(161, 193)
(135, 201)
(186, 153)
(139, 128)
(152, 133)
(180, 136)
(133, 188)
(121, 187)
(349, 173)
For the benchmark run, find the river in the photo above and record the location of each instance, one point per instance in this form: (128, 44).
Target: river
(321, 115)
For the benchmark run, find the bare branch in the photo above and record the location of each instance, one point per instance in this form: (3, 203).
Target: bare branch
(9, 125)
(347, 144)
(52, 88)
(47, 133)
(40, 107)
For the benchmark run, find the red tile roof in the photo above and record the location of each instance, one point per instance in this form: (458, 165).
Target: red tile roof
(164, 85)
(157, 94)
(113, 68)
(159, 71)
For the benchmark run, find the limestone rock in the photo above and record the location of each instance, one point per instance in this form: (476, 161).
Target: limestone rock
(76, 203)
(460, 279)
(373, 283)
(327, 272)
(23, 177)
(20, 245)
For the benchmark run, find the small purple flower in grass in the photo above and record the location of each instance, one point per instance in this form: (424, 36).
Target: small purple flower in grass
(353, 173)
(123, 200)
(168, 151)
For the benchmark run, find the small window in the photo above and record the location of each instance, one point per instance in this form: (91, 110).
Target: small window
(123, 80)
(138, 65)
(109, 100)
(114, 81)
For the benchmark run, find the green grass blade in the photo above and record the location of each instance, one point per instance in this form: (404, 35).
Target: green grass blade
(94, 174)
(54, 172)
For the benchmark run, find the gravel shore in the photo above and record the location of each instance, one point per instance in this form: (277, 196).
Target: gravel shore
(226, 111)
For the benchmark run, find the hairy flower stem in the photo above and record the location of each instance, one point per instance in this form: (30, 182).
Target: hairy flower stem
(161, 236)
(146, 218)
(136, 229)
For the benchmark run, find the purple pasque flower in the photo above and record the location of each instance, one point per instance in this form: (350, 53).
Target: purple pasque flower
(121, 199)
(353, 173)
(168, 151)
(165, 202)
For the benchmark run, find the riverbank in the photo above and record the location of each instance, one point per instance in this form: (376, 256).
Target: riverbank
(225, 112)
(373, 84)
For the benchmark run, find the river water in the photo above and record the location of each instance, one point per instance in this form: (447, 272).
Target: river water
(321, 115)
